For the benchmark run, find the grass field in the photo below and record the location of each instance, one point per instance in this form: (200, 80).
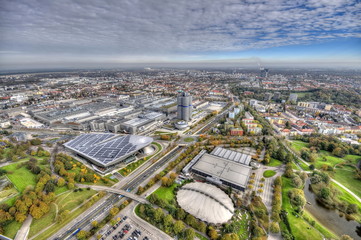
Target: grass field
(346, 177)
(71, 200)
(300, 228)
(20, 177)
(11, 229)
(298, 145)
(166, 193)
(274, 163)
(268, 173)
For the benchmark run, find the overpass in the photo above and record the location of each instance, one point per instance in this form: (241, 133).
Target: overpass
(116, 191)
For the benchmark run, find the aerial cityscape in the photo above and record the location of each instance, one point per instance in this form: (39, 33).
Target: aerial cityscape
(157, 120)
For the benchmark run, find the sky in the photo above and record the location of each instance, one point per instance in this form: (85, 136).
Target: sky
(110, 33)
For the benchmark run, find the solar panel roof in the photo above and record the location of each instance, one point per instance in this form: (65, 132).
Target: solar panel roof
(107, 149)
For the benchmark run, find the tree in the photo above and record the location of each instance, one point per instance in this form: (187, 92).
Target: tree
(289, 170)
(189, 234)
(325, 193)
(173, 175)
(297, 181)
(267, 159)
(20, 217)
(352, 208)
(168, 220)
(230, 236)
(94, 224)
(212, 234)
(113, 211)
(338, 152)
(178, 227)
(202, 227)
(158, 215)
(274, 227)
(82, 235)
(61, 182)
(190, 220)
(180, 214)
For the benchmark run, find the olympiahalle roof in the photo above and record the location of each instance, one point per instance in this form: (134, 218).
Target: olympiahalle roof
(107, 149)
(206, 202)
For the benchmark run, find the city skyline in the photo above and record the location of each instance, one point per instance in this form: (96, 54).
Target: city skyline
(37, 34)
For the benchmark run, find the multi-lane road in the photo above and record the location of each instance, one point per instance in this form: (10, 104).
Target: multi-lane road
(131, 185)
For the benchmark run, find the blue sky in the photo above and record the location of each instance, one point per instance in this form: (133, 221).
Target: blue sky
(36, 33)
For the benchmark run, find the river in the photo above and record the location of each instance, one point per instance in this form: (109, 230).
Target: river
(330, 218)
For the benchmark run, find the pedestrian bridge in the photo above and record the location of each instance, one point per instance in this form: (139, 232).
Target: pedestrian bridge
(117, 191)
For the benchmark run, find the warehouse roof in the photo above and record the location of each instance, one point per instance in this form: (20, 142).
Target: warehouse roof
(223, 169)
(206, 202)
(107, 149)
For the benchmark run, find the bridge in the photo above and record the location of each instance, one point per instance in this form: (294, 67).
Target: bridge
(117, 191)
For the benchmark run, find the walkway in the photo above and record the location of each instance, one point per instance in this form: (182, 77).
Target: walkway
(24, 230)
(117, 191)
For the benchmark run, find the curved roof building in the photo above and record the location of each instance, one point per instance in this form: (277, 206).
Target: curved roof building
(206, 202)
(106, 149)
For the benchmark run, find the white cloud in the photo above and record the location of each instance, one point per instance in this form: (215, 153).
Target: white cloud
(149, 27)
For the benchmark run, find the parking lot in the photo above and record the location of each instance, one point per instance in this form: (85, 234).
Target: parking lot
(126, 229)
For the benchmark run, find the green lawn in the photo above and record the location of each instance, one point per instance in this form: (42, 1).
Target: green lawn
(268, 173)
(20, 177)
(274, 163)
(346, 177)
(298, 145)
(166, 193)
(188, 139)
(295, 167)
(69, 201)
(11, 229)
(300, 228)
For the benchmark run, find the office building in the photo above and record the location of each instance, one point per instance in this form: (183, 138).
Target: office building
(185, 108)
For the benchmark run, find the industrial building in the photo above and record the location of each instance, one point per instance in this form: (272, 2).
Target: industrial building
(222, 167)
(185, 108)
(206, 202)
(107, 149)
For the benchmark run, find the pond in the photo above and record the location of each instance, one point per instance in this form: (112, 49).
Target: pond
(330, 218)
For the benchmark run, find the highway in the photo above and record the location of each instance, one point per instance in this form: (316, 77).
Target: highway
(114, 198)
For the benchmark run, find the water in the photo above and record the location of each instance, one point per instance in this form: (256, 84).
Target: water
(330, 218)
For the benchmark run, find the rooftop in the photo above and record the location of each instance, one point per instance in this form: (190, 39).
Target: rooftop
(223, 169)
(107, 149)
(206, 202)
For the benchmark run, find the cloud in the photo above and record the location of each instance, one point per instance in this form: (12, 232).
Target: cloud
(153, 27)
